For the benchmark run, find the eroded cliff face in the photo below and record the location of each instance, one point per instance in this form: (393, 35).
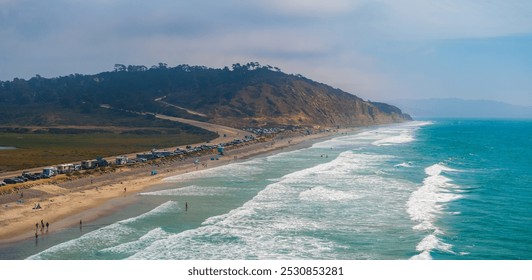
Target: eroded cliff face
(304, 103)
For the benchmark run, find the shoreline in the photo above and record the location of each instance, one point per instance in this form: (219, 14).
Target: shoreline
(63, 207)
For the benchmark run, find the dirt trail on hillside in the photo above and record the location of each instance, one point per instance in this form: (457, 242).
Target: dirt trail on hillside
(229, 132)
(178, 107)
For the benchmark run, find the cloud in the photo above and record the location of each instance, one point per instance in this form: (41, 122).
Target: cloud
(312, 8)
(450, 19)
(354, 45)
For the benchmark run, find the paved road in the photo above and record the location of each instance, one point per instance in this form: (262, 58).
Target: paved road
(229, 132)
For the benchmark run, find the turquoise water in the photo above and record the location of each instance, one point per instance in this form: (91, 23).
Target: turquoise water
(440, 189)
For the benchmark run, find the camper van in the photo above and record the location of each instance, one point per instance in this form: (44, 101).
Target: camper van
(49, 172)
(121, 160)
(65, 168)
(88, 164)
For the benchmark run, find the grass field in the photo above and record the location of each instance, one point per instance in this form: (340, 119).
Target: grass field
(35, 150)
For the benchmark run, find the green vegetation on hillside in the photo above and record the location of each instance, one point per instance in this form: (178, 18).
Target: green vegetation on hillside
(244, 95)
(131, 88)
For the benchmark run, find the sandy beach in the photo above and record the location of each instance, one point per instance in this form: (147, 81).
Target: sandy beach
(64, 204)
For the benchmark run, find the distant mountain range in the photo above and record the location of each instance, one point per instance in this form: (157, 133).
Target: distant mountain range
(244, 95)
(460, 108)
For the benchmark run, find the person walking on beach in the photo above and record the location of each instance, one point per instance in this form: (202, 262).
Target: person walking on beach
(36, 227)
(47, 225)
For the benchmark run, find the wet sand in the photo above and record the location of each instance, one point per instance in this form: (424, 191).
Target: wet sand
(65, 204)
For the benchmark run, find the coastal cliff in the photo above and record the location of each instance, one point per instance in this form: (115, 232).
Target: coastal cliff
(245, 95)
(290, 100)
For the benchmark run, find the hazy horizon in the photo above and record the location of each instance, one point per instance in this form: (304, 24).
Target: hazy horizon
(462, 108)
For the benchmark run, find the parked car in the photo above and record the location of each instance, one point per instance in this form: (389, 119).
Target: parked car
(13, 181)
(31, 177)
(24, 179)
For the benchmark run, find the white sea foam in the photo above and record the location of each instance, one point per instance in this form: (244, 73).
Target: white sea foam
(437, 169)
(250, 231)
(427, 203)
(419, 123)
(431, 242)
(137, 245)
(381, 136)
(425, 255)
(404, 136)
(343, 165)
(239, 169)
(404, 164)
(110, 235)
(400, 134)
(169, 206)
(192, 190)
(285, 155)
(247, 232)
(339, 142)
(215, 242)
(325, 194)
(282, 220)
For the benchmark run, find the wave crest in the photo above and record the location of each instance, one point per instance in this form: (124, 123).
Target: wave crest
(426, 204)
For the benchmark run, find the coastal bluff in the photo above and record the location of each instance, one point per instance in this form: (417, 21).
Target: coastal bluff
(249, 95)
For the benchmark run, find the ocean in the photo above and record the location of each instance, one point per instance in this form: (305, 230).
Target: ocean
(434, 189)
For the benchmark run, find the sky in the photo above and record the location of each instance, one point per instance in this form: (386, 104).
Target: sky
(379, 50)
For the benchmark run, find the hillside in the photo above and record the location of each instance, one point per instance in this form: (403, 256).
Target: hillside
(245, 95)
